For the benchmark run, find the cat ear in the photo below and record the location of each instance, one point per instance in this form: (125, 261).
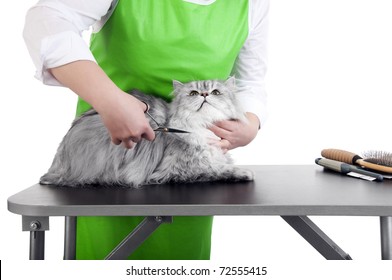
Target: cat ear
(230, 82)
(177, 84)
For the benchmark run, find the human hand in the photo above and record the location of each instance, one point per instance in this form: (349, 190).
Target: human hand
(235, 134)
(123, 116)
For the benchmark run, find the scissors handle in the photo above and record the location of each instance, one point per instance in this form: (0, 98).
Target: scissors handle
(161, 127)
(148, 114)
(147, 106)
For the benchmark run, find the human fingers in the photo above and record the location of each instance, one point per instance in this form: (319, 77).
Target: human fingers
(227, 124)
(128, 143)
(223, 144)
(219, 131)
(135, 134)
(116, 141)
(149, 134)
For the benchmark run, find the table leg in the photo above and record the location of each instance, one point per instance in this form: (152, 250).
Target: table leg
(137, 237)
(37, 227)
(386, 237)
(37, 245)
(70, 238)
(316, 237)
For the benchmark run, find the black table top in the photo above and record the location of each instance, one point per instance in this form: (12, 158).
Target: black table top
(276, 190)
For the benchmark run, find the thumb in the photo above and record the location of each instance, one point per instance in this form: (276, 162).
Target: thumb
(149, 134)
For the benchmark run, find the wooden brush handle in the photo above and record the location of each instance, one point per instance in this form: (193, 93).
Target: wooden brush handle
(373, 166)
(351, 158)
(340, 155)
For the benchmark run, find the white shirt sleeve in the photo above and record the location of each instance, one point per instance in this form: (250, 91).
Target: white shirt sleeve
(53, 33)
(251, 65)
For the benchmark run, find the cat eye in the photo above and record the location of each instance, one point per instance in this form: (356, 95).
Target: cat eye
(193, 93)
(215, 92)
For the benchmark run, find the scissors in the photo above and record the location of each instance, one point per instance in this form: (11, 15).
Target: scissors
(161, 127)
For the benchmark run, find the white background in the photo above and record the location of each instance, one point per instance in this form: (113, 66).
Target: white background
(329, 85)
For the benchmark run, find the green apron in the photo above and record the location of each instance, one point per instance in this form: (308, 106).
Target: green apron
(146, 44)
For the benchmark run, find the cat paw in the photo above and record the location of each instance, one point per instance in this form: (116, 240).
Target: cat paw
(240, 174)
(50, 179)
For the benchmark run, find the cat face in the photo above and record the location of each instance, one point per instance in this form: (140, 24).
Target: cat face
(208, 101)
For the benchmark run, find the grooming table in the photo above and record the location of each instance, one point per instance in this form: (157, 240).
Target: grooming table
(290, 191)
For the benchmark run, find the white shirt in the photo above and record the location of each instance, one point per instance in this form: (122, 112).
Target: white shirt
(53, 35)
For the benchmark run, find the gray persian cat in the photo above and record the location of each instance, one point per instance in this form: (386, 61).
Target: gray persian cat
(86, 155)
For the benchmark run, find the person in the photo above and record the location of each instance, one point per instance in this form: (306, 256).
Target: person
(146, 44)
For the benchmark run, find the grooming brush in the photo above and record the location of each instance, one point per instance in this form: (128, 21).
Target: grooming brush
(379, 161)
(348, 169)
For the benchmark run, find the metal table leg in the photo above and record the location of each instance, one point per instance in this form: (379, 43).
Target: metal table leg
(137, 237)
(37, 227)
(316, 237)
(37, 245)
(386, 237)
(70, 238)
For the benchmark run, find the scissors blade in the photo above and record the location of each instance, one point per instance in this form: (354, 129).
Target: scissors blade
(174, 130)
(171, 130)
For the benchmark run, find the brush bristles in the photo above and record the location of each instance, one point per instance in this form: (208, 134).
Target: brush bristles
(378, 157)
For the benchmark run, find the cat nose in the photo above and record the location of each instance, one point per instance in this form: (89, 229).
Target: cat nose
(204, 94)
